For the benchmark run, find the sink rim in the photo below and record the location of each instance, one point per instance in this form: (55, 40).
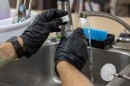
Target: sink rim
(124, 52)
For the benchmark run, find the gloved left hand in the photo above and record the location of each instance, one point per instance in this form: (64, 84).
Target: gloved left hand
(39, 30)
(73, 49)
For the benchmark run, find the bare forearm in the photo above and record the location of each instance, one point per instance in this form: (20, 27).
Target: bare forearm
(8, 53)
(70, 76)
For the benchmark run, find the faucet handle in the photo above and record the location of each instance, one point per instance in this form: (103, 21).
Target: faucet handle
(123, 37)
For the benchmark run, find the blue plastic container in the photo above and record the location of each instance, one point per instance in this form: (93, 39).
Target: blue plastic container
(96, 34)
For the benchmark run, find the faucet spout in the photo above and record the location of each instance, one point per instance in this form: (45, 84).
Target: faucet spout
(85, 14)
(64, 5)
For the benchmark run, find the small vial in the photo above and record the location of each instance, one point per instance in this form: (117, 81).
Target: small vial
(68, 30)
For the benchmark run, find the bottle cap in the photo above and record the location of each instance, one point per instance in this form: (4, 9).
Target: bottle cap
(65, 19)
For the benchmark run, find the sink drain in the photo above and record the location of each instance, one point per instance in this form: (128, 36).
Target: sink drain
(107, 72)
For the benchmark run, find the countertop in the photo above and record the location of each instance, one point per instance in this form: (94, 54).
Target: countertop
(100, 23)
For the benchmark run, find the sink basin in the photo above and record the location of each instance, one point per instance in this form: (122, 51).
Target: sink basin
(39, 69)
(120, 59)
(35, 71)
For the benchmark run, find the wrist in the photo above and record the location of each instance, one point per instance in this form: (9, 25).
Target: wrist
(60, 64)
(60, 67)
(8, 47)
(63, 65)
(20, 40)
(17, 45)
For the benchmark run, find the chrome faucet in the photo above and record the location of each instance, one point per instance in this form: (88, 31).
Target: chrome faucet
(64, 5)
(120, 38)
(106, 15)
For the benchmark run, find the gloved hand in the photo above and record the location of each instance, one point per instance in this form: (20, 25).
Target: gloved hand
(73, 49)
(34, 36)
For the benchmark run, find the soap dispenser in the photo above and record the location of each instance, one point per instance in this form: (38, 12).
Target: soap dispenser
(4, 9)
(65, 5)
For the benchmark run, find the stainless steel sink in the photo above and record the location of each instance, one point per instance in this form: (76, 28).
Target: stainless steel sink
(120, 59)
(35, 71)
(39, 69)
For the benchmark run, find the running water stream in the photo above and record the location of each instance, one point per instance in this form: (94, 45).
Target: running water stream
(90, 52)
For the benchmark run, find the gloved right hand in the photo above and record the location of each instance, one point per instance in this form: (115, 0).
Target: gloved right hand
(45, 23)
(73, 49)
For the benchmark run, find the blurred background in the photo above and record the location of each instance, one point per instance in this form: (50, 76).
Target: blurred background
(115, 7)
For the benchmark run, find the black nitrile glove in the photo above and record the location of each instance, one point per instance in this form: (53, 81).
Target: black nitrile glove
(39, 30)
(73, 49)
